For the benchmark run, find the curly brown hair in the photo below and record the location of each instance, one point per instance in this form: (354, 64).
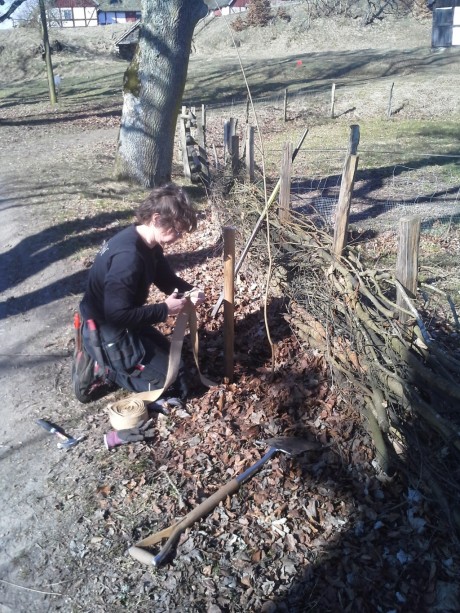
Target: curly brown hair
(173, 206)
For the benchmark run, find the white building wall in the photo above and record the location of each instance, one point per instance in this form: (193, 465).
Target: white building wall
(81, 17)
(456, 28)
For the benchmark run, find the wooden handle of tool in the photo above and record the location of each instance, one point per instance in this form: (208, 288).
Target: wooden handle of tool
(141, 555)
(200, 511)
(210, 503)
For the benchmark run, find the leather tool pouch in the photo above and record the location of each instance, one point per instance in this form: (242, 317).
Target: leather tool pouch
(124, 352)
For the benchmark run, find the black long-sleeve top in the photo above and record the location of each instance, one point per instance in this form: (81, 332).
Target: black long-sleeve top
(119, 282)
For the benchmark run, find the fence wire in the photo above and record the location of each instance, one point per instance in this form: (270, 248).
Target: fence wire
(383, 192)
(389, 185)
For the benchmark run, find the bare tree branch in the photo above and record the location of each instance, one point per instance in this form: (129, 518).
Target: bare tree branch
(16, 4)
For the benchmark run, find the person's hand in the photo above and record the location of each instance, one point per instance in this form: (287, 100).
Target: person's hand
(175, 304)
(197, 296)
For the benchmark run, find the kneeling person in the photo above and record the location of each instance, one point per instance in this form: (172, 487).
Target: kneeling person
(135, 354)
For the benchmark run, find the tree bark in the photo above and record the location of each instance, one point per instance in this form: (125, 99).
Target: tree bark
(153, 88)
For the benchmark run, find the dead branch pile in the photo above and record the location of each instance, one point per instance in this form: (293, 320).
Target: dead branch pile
(405, 383)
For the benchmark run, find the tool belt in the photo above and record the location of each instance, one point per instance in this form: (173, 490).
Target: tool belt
(124, 353)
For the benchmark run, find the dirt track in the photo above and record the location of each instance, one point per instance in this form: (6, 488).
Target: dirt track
(41, 279)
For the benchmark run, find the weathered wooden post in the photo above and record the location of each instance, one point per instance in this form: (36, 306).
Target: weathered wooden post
(229, 298)
(284, 211)
(333, 101)
(201, 145)
(250, 154)
(229, 131)
(407, 260)
(235, 153)
(390, 102)
(183, 118)
(201, 128)
(346, 191)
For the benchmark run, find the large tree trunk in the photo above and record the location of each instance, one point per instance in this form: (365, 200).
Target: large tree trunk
(153, 88)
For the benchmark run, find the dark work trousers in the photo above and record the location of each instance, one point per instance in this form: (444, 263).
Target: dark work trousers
(149, 373)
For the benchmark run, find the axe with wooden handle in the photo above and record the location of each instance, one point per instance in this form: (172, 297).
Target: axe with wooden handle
(292, 446)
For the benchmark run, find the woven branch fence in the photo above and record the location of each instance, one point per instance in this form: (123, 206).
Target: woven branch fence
(405, 383)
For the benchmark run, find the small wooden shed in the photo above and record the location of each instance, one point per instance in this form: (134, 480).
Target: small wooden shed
(127, 42)
(446, 23)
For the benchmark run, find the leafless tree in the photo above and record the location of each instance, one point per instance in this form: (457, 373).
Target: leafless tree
(153, 89)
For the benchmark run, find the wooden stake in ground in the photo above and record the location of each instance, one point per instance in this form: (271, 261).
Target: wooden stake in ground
(346, 191)
(235, 154)
(333, 101)
(229, 131)
(229, 298)
(183, 118)
(390, 102)
(407, 260)
(250, 155)
(285, 189)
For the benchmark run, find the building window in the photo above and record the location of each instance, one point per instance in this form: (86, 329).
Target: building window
(67, 14)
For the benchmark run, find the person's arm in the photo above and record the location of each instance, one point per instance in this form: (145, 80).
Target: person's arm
(165, 278)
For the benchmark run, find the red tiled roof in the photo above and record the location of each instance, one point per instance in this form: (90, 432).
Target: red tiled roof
(69, 4)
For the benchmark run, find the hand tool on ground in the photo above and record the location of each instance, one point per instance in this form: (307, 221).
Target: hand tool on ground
(292, 446)
(66, 441)
(259, 222)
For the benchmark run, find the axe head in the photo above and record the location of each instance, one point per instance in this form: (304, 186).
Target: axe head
(292, 445)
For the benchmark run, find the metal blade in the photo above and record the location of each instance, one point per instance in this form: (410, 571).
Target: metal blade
(292, 445)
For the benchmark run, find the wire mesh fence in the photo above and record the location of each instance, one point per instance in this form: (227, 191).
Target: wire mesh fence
(381, 199)
(353, 99)
(388, 184)
(384, 192)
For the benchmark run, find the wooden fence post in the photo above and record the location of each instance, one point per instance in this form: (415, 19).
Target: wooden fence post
(285, 187)
(346, 191)
(333, 101)
(201, 144)
(229, 299)
(235, 153)
(201, 128)
(250, 154)
(407, 260)
(183, 118)
(229, 131)
(390, 102)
